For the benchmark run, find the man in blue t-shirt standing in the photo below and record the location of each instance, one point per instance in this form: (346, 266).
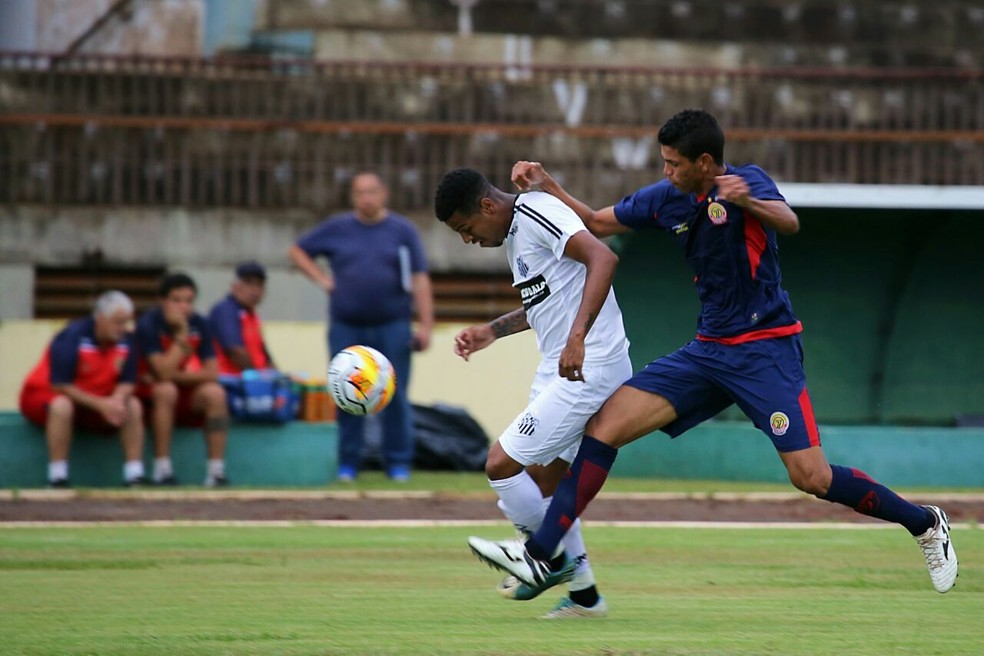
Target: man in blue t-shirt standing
(747, 350)
(378, 281)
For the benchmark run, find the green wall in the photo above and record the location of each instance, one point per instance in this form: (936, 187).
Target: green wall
(891, 302)
(258, 455)
(735, 451)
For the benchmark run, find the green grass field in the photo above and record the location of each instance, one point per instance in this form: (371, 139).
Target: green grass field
(317, 590)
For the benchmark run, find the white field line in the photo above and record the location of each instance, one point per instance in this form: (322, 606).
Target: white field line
(439, 523)
(273, 495)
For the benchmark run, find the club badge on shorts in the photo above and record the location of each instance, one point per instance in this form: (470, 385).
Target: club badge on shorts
(716, 213)
(779, 422)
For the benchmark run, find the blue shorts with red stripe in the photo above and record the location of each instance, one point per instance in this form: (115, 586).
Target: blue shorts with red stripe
(763, 377)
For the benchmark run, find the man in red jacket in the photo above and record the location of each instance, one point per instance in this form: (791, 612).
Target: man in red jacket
(85, 380)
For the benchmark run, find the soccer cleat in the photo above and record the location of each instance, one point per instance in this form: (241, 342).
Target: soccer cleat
(398, 473)
(567, 609)
(138, 481)
(512, 588)
(346, 474)
(511, 557)
(941, 559)
(59, 483)
(216, 481)
(169, 481)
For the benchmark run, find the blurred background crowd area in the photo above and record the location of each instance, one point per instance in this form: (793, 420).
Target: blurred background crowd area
(138, 136)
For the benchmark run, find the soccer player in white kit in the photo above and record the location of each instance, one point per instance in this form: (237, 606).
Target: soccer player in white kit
(564, 275)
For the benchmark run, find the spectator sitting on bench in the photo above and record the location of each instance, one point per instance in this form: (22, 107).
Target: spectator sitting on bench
(235, 325)
(178, 376)
(85, 380)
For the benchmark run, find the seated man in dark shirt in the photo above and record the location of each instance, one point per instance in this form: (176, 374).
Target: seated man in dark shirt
(178, 376)
(237, 332)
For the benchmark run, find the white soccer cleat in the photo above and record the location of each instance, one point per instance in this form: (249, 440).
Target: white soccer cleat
(941, 559)
(567, 609)
(510, 556)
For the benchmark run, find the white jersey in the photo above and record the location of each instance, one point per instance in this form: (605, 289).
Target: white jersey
(551, 285)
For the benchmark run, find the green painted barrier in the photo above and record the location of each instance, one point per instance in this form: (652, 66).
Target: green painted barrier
(258, 455)
(736, 451)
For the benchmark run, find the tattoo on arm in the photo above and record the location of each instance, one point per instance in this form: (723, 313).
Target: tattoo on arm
(507, 324)
(589, 322)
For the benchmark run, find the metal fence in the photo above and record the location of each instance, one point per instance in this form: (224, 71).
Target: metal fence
(265, 132)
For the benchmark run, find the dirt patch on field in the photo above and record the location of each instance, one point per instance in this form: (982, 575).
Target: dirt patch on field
(203, 506)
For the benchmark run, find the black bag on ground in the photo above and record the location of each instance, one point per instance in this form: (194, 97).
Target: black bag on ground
(447, 437)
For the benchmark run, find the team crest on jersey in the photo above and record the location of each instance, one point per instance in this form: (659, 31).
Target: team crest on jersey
(716, 213)
(527, 424)
(522, 267)
(779, 422)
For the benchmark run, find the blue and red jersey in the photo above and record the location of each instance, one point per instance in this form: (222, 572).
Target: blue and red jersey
(232, 324)
(734, 256)
(154, 336)
(75, 357)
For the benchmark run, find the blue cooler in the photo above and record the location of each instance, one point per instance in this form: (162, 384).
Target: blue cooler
(261, 395)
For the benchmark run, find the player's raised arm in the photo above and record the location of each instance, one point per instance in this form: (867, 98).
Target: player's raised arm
(601, 223)
(775, 214)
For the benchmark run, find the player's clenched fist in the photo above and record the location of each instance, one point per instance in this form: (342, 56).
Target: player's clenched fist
(525, 174)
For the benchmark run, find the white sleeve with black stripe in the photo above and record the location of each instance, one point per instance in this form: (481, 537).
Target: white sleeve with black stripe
(552, 223)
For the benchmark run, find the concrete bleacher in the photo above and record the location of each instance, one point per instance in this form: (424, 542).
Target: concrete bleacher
(258, 455)
(876, 32)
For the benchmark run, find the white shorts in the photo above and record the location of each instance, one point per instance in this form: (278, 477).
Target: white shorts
(553, 423)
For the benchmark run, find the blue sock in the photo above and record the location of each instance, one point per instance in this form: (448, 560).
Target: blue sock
(576, 490)
(852, 487)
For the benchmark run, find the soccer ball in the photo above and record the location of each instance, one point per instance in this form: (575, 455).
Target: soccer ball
(361, 380)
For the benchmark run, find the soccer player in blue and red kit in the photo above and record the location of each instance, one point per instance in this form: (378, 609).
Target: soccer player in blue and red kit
(85, 380)
(178, 376)
(747, 350)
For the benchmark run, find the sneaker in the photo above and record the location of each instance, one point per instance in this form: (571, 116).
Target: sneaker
(511, 557)
(139, 481)
(170, 480)
(512, 588)
(938, 550)
(59, 483)
(216, 481)
(346, 474)
(398, 473)
(567, 609)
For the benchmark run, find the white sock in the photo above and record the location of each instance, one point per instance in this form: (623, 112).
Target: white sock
(162, 468)
(520, 501)
(216, 468)
(58, 470)
(132, 469)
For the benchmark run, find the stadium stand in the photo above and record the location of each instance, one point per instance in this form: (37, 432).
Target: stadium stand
(864, 92)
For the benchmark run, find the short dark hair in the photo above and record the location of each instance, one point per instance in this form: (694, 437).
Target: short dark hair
(251, 270)
(692, 133)
(172, 281)
(460, 190)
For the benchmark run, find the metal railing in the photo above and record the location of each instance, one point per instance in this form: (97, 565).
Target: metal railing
(260, 132)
